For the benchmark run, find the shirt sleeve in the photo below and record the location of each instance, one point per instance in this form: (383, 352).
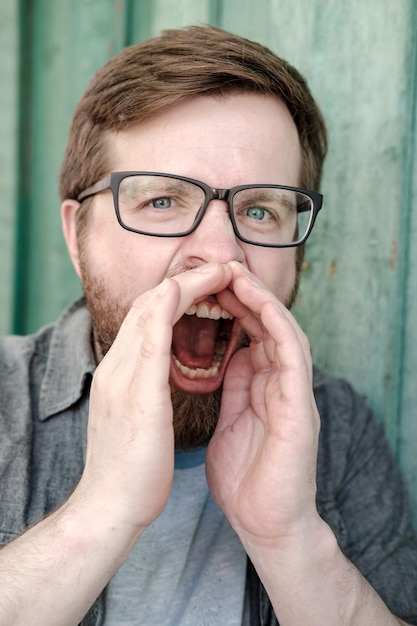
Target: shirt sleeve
(362, 496)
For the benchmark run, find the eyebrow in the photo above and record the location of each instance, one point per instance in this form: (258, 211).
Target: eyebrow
(164, 185)
(266, 195)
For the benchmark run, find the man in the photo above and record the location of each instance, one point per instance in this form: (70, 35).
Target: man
(189, 187)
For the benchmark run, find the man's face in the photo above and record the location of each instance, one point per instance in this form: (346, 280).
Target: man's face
(228, 141)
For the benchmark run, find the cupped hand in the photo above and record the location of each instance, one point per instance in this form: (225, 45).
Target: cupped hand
(261, 461)
(130, 447)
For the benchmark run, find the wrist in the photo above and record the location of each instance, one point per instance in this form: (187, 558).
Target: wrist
(92, 518)
(300, 548)
(308, 579)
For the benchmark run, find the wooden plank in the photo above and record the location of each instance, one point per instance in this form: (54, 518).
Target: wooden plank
(70, 41)
(139, 20)
(175, 14)
(9, 114)
(408, 414)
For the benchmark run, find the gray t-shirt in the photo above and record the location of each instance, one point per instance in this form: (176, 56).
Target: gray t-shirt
(188, 568)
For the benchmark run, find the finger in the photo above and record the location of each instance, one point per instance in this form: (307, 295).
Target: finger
(138, 361)
(155, 306)
(248, 320)
(291, 343)
(290, 411)
(200, 282)
(255, 295)
(236, 389)
(191, 286)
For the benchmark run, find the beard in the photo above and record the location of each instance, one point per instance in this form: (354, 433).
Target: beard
(195, 416)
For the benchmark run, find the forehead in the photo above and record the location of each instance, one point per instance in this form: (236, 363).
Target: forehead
(230, 140)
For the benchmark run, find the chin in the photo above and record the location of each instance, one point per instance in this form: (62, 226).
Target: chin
(195, 417)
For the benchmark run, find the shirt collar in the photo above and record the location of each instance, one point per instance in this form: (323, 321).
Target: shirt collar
(70, 361)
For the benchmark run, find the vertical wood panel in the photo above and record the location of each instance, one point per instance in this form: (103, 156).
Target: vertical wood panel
(408, 414)
(9, 114)
(70, 41)
(174, 14)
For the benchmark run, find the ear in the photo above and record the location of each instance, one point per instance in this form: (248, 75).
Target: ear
(68, 216)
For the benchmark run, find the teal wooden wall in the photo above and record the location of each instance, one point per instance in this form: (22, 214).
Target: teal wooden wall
(358, 300)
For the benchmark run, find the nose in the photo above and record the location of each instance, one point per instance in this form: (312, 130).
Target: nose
(214, 239)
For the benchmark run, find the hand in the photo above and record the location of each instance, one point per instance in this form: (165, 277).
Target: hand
(130, 450)
(261, 462)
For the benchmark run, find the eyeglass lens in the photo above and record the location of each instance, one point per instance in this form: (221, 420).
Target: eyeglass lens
(162, 205)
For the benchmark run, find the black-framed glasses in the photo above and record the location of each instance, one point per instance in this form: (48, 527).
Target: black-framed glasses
(166, 205)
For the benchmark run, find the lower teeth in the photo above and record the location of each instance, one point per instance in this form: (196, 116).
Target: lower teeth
(200, 372)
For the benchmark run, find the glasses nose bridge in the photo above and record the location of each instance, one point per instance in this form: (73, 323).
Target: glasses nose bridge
(215, 193)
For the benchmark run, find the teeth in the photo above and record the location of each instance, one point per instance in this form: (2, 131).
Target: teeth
(210, 311)
(199, 372)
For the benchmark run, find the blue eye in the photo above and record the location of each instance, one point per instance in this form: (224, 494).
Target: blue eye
(161, 203)
(256, 212)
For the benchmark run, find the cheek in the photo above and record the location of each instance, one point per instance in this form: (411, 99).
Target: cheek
(128, 264)
(276, 268)
(137, 268)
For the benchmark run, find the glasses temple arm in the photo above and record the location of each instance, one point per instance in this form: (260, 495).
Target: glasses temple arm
(101, 185)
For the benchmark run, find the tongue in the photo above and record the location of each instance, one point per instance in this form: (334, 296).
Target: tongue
(194, 341)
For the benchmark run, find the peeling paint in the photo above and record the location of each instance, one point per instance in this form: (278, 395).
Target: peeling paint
(333, 267)
(394, 256)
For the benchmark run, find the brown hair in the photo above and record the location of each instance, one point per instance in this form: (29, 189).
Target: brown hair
(147, 78)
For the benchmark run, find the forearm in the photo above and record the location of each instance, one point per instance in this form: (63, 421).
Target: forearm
(52, 574)
(311, 581)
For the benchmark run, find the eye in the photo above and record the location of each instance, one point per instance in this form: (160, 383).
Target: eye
(161, 203)
(256, 212)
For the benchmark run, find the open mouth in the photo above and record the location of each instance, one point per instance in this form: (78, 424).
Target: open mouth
(203, 341)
